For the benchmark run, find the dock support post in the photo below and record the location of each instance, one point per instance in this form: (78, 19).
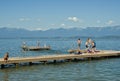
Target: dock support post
(2, 66)
(45, 62)
(30, 63)
(75, 59)
(68, 60)
(89, 58)
(54, 61)
(16, 64)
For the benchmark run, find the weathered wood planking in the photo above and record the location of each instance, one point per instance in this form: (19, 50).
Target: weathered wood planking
(60, 57)
(35, 48)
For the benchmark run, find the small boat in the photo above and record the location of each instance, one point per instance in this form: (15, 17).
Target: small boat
(35, 48)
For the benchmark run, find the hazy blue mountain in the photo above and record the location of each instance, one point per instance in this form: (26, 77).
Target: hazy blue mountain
(61, 32)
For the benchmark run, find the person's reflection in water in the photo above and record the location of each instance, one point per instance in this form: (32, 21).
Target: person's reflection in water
(6, 76)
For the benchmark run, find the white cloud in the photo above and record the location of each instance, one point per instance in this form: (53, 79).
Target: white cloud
(21, 19)
(38, 19)
(110, 22)
(9, 24)
(74, 19)
(36, 28)
(98, 21)
(24, 19)
(62, 25)
(53, 24)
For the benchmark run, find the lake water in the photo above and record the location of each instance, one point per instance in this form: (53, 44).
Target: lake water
(96, 70)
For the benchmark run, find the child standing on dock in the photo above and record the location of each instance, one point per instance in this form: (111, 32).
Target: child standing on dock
(79, 43)
(93, 46)
(6, 57)
(88, 45)
(23, 43)
(38, 43)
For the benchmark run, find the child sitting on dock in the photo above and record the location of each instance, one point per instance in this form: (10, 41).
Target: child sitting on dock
(6, 57)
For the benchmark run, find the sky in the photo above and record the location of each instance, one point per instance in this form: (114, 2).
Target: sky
(47, 14)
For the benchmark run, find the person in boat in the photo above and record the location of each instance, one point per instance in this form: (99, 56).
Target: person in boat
(6, 57)
(79, 43)
(93, 46)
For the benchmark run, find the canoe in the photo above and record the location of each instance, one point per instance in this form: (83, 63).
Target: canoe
(35, 48)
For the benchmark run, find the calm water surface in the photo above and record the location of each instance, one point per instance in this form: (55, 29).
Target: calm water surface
(96, 70)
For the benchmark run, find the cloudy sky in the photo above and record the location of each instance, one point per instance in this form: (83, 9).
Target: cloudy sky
(46, 14)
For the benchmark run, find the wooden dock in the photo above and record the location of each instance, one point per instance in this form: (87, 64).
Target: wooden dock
(54, 58)
(35, 48)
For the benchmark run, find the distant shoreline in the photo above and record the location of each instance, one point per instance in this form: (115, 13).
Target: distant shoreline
(61, 37)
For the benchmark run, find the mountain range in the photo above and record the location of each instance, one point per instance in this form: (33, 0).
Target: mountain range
(6, 32)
